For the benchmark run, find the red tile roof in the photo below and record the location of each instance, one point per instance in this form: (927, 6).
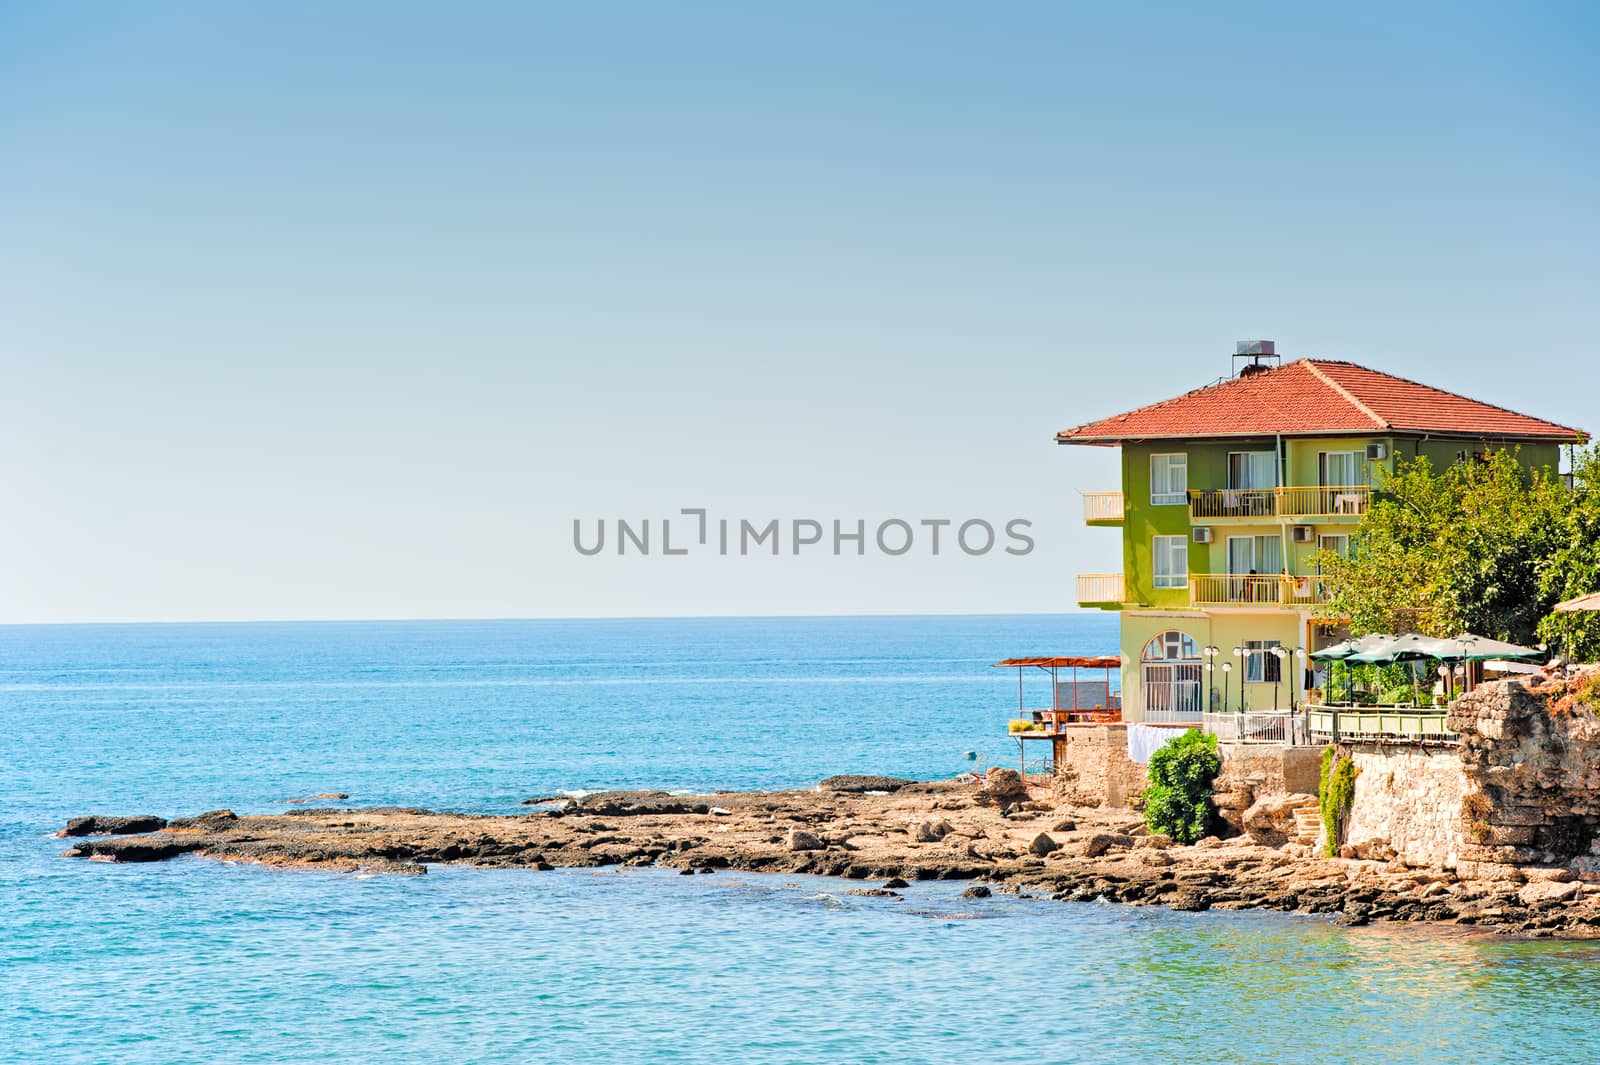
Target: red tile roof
(1310, 397)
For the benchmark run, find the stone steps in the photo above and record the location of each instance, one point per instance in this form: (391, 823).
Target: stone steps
(1308, 825)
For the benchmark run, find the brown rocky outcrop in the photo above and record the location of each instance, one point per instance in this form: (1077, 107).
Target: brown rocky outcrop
(863, 836)
(112, 826)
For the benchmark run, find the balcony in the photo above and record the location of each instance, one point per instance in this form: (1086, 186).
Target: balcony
(1323, 503)
(1227, 589)
(1102, 508)
(1332, 724)
(1101, 589)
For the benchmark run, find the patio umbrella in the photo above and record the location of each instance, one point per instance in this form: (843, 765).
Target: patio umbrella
(1410, 648)
(1341, 652)
(1583, 602)
(1481, 649)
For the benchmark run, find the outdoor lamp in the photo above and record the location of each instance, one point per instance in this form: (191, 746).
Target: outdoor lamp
(1227, 668)
(1280, 654)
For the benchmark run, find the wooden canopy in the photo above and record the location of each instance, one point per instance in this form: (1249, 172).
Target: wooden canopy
(1067, 661)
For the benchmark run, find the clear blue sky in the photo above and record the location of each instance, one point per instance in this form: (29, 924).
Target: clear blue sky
(348, 310)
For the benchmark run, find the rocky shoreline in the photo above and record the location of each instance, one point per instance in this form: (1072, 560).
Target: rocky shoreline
(877, 830)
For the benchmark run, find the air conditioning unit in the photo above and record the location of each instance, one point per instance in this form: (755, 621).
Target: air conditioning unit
(1303, 534)
(1377, 452)
(1202, 534)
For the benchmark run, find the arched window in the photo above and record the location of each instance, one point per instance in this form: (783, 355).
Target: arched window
(1171, 646)
(1170, 669)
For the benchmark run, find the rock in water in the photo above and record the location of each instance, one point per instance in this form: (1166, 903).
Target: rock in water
(113, 826)
(1042, 844)
(801, 840)
(977, 891)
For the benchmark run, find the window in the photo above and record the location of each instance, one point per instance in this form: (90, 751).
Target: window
(1169, 480)
(1171, 554)
(1338, 544)
(1171, 646)
(1255, 554)
(1171, 670)
(1252, 469)
(1260, 665)
(1341, 469)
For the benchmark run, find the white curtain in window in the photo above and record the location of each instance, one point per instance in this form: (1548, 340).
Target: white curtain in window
(1169, 479)
(1252, 469)
(1171, 556)
(1340, 469)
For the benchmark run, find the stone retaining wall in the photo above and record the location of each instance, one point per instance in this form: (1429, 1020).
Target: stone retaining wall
(1093, 767)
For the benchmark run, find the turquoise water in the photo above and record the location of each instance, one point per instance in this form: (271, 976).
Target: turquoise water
(194, 961)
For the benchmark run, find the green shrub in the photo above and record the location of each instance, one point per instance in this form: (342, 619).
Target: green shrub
(1178, 799)
(1336, 791)
(1022, 724)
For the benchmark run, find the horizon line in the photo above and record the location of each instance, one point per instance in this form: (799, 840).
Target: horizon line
(550, 617)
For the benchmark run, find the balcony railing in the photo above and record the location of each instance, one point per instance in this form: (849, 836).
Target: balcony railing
(1330, 724)
(1230, 503)
(1280, 727)
(1227, 589)
(1243, 504)
(1094, 588)
(1345, 501)
(1102, 508)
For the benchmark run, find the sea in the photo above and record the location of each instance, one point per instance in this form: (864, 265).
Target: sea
(196, 961)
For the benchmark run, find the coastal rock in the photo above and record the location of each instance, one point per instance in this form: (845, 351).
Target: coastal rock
(977, 891)
(112, 826)
(1042, 845)
(931, 831)
(1542, 893)
(1154, 841)
(1002, 787)
(152, 848)
(860, 783)
(1067, 825)
(1270, 821)
(210, 821)
(895, 882)
(801, 840)
(1101, 842)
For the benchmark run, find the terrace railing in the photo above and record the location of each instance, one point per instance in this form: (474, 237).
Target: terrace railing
(1102, 508)
(1309, 501)
(1341, 501)
(1330, 724)
(1233, 503)
(1101, 588)
(1226, 589)
(1279, 727)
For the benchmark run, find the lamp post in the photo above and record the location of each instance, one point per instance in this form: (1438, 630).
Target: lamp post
(1238, 652)
(1300, 671)
(1227, 668)
(1211, 654)
(1280, 654)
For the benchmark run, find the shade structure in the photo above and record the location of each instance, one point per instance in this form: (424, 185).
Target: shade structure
(1583, 602)
(1473, 648)
(1409, 648)
(1345, 648)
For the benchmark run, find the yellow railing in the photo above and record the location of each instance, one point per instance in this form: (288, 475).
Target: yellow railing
(1328, 501)
(1341, 501)
(1101, 588)
(1227, 589)
(1102, 507)
(1234, 503)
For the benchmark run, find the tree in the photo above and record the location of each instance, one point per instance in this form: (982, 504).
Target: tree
(1574, 569)
(1487, 546)
(1178, 798)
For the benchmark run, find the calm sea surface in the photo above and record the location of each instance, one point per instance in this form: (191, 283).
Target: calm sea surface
(193, 961)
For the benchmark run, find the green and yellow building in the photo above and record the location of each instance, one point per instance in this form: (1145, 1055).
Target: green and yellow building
(1230, 491)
